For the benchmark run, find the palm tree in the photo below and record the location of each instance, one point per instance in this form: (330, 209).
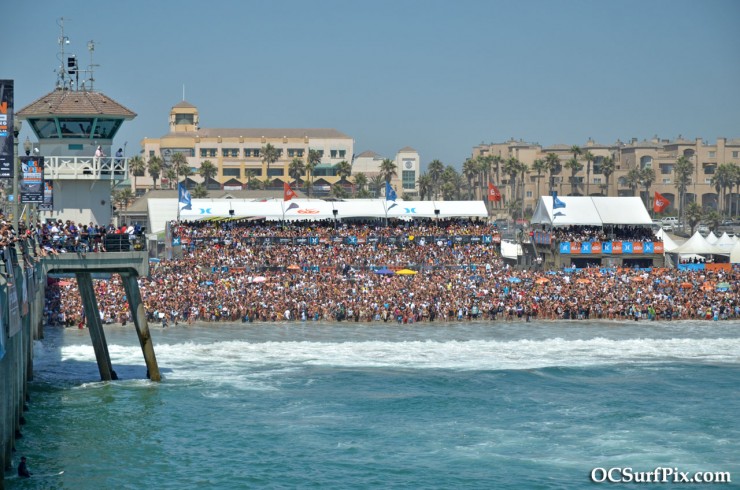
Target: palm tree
(511, 168)
(199, 191)
(553, 167)
(314, 158)
(435, 170)
(186, 171)
(633, 179)
(253, 183)
(589, 157)
(270, 155)
(296, 169)
(607, 168)
(376, 183)
(712, 218)
(523, 169)
(469, 170)
(574, 166)
(647, 177)
(425, 185)
(682, 175)
(388, 169)
(338, 191)
(122, 199)
(171, 175)
(343, 169)
(694, 215)
(360, 181)
(497, 161)
(179, 164)
(154, 167)
(137, 166)
(539, 166)
(207, 170)
(721, 180)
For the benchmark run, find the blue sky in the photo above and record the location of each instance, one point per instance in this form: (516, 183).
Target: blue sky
(439, 76)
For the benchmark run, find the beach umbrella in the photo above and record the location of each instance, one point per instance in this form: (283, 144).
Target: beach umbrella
(707, 286)
(583, 281)
(514, 279)
(406, 272)
(541, 280)
(293, 267)
(259, 279)
(723, 286)
(686, 285)
(384, 271)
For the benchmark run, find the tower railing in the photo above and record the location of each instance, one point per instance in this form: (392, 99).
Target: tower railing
(85, 168)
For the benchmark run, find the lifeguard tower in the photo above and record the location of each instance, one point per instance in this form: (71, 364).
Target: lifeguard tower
(70, 123)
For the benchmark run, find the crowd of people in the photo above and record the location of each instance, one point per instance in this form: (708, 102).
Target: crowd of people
(225, 275)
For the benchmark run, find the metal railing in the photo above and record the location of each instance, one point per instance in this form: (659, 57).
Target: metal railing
(85, 168)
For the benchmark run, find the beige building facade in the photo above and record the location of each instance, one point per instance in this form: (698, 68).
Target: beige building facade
(659, 154)
(237, 153)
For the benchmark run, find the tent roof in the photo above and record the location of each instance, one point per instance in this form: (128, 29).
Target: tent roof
(697, 244)
(668, 243)
(735, 254)
(592, 211)
(311, 209)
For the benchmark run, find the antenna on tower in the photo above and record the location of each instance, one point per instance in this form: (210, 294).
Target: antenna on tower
(91, 66)
(67, 65)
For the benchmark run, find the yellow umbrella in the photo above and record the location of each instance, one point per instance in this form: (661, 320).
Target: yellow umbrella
(406, 272)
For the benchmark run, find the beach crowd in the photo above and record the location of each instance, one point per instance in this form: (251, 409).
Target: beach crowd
(389, 274)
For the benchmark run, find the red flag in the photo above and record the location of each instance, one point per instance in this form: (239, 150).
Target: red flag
(493, 193)
(660, 203)
(288, 193)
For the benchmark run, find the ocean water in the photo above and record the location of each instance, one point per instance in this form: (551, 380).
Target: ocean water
(352, 405)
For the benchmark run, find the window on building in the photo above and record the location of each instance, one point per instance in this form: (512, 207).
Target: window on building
(275, 172)
(47, 128)
(529, 193)
(184, 119)
(597, 180)
(666, 169)
(320, 152)
(295, 152)
(252, 152)
(230, 152)
(151, 153)
(207, 152)
(333, 153)
(254, 172)
(342, 153)
(712, 154)
(736, 154)
(710, 169)
(646, 162)
(666, 181)
(233, 172)
(408, 179)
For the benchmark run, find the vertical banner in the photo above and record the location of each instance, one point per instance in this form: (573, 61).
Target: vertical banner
(48, 204)
(31, 186)
(6, 129)
(14, 314)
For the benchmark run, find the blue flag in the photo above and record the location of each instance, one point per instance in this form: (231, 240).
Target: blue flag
(390, 194)
(183, 197)
(556, 203)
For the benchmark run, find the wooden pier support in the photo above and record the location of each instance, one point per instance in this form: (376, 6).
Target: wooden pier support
(95, 326)
(136, 306)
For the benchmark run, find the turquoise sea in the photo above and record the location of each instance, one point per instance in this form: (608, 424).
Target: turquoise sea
(351, 405)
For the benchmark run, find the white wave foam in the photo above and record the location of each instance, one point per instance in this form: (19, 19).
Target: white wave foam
(233, 358)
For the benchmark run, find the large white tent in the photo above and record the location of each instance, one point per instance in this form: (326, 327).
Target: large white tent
(697, 244)
(591, 211)
(163, 210)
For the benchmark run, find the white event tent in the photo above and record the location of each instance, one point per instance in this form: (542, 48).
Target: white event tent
(591, 211)
(163, 210)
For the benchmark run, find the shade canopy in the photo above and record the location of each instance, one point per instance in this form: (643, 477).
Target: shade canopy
(591, 211)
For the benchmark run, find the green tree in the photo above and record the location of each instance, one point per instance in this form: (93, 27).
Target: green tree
(199, 191)
(682, 171)
(122, 199)
(425, 185)
(435, 170)
(376, 184)
(207, 170)
(553, 167)
(607, 168)
(360, 182)
(171, 175)
(633, 179)
(296, 169)
(343, 169)
(589, 157)
(252, 182)
(693, 215)
(712, 218)
(154, 167)
(647, 177)
(574, 166)
(511, 168)
(270, 155)
(388, 169)
(721, 181)
(338, 191)
(137, 166)
(539, 166)
(469, 171)
(179, 163)
(314, 159)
